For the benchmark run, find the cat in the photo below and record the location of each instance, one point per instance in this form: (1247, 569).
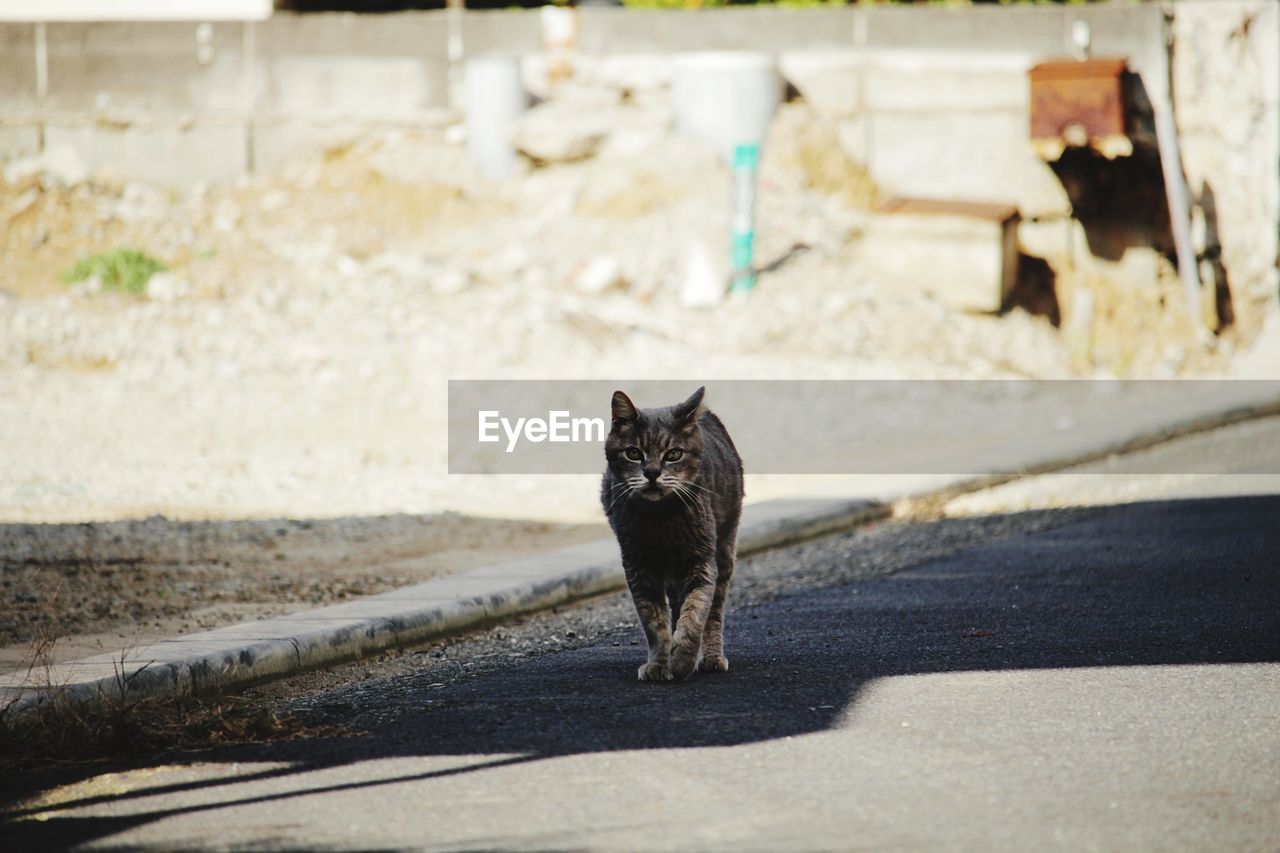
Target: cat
(672, 492)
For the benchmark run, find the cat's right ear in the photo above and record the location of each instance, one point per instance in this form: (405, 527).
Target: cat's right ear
(624, 411)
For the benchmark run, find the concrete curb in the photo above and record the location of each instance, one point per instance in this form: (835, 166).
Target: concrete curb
(239, 655)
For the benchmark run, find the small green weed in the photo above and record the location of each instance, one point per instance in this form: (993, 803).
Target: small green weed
(123, 269)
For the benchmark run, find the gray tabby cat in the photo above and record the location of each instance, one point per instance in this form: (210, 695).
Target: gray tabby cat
(673, 494)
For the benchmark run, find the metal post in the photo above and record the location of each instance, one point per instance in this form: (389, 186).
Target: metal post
(42, 80)
(455, 10)
(249, 90)
(1175, 186)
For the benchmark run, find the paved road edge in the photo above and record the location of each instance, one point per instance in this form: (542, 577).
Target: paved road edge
(241, 655)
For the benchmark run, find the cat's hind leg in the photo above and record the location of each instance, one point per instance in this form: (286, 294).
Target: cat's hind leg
(713, 659)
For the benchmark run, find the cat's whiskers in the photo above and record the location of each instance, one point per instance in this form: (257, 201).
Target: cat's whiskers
(679, 493)
(681, 489)
(702, 487)
(694, 502)
(627, 488)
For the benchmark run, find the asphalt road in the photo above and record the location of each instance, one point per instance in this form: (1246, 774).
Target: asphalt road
(1110, 682)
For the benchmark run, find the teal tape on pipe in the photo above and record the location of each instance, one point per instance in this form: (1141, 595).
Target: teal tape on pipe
(746, 163)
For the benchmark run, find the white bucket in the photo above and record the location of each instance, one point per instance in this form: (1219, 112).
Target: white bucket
(493, 100)
(726, 98)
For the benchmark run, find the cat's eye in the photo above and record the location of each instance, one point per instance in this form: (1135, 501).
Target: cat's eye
(634, 454)
(673, 455)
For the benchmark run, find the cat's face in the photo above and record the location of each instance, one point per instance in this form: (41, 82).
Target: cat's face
(655, 452)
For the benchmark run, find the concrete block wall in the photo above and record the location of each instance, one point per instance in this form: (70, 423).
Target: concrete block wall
(17, 70)
(157, 152)
(954, 125)
(320, 79)
(125, 69)
(510, 31)
(19, 105)
(352, 67)
(175, 102)
(148, 100)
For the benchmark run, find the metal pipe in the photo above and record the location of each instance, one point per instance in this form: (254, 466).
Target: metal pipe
(42, 80)
(1175, 185)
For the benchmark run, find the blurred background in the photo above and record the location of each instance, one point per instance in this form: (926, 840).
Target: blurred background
(245, 246)
(242, 256)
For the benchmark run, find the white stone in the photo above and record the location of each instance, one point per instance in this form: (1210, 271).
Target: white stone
(830, 80)
(449, 281)
(23, 203)
(512, 259)
(704, 281)
(560, 132)
(167, 287)
(414, 164)
(413, 269)
(140, 202)
(600, 274)
(22, 169)
(60, 165)
(226, 216)
(535, 74)
(275, 200)
(455, 134)
(349, 266)
(65, 165)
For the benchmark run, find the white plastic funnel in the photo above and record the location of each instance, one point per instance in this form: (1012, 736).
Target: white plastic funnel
(726, 98)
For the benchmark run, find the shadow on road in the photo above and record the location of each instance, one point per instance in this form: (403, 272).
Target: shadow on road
(1149, 584)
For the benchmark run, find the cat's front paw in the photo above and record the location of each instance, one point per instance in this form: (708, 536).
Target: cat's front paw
(714, 663)
(654, 672)
(683, 664)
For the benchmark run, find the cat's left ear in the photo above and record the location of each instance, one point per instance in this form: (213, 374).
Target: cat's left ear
(688, 411)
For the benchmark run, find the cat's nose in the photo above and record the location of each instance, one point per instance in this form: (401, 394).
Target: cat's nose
(652, 473)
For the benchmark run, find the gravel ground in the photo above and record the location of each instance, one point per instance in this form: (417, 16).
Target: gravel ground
(866, 552)
(101, 587)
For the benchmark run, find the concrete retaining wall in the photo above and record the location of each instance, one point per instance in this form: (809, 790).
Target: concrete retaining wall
(1226, 91)
(177, 102)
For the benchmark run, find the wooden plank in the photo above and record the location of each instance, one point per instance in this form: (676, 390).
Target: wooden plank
(993, 211)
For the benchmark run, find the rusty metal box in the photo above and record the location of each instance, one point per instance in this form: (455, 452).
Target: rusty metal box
(1080, 102)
